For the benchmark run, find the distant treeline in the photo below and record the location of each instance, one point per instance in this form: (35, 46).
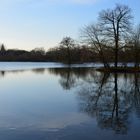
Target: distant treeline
(73, 53)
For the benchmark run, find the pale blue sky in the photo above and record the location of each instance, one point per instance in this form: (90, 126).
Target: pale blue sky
(26, 24)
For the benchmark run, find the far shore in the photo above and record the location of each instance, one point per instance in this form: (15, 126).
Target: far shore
(129, 68)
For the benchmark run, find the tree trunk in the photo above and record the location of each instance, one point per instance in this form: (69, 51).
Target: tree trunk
(69, 56)
(106, 65)
(116, 57)
(136, 57)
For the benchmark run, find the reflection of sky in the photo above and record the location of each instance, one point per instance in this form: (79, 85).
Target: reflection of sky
(36, 101)
(12, 66)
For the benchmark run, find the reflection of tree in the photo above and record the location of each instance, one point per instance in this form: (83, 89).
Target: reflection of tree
(91, 93)
(68, 80)
(109, 101)
(2, 73)
(115, 105)
(115, 115)
(110, 98)
(136, 93)
(39, 70)
(70, 77)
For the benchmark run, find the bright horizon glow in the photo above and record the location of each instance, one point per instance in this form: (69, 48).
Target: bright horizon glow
(26, 24)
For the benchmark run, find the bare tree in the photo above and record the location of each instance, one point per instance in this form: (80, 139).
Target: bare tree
(67, 44)
(136, 44)
(39, 51)
(2, 49)
(116, 25)
(92, 35)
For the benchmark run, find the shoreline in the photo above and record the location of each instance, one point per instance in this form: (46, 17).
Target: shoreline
(119, 69)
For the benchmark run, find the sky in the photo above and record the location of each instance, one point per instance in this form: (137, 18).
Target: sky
(27, 24)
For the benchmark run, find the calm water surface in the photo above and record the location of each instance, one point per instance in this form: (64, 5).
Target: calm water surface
(69, 104)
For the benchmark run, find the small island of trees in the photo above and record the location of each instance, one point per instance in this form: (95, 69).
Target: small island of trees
(112, 39)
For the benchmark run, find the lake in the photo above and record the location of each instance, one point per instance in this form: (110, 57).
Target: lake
(48, 101)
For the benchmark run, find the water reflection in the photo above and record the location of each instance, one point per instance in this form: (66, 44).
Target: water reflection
(2, 73)
(70, 76)
(112, 102)
(110, 98)
(37, 71)
(96, 102)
